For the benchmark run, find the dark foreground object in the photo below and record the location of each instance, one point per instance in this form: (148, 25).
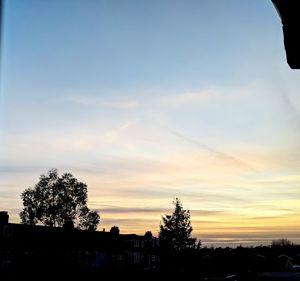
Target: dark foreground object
(144, 275)
(289, 12)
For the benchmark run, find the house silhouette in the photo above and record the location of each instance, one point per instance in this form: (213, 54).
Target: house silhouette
(30, 248)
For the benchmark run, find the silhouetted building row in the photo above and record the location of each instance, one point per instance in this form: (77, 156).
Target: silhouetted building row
(29, 247)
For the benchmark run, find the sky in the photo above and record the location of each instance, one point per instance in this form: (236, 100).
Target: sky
(146, 101)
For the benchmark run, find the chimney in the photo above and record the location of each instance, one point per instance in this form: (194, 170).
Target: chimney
(3, 217)
(68, 225)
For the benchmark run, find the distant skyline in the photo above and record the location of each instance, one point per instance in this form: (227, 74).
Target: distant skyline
(145, 101)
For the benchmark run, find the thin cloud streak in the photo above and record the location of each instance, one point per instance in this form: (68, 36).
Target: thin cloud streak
(220, 154)
(98, 102)
(161, 211)
(189, 98)
(200, 194)
(291, 112)
(212, 94)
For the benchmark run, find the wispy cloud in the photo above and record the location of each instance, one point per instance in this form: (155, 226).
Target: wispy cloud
(189, 97)
(285, 93)
(126, 210)
(161, 98)
(198, 194)
(290, 109)
(209, 95)
(102, 102)
(225, 156)
(160, 211)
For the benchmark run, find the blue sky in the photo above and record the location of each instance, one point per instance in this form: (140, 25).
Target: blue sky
(149, 100)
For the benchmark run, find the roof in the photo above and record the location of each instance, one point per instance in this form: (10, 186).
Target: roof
(31, 237)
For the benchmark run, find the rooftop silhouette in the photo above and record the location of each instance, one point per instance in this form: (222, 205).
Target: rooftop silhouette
(28, 251)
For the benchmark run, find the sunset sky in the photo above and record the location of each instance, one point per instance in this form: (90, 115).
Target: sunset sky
(145, 101)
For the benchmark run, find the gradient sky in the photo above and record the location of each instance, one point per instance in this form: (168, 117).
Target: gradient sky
(145, 101)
